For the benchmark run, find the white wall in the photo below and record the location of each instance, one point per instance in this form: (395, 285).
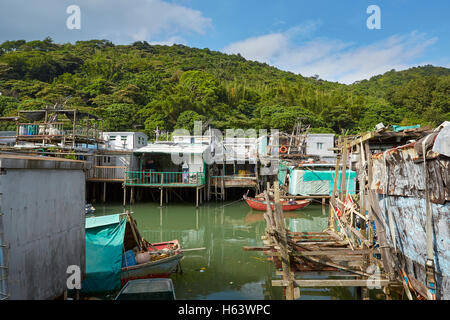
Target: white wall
(43, 222)
(326, 141)
(131, 140)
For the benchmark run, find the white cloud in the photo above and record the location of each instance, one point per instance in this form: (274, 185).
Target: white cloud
(333, 59)
(116, 20)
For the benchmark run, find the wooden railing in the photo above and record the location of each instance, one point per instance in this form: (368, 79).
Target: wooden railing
(107, 173)
(150, 178)
(55, 129)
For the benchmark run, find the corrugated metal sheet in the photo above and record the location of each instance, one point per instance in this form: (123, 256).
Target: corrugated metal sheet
(409, 216)
(406, 175)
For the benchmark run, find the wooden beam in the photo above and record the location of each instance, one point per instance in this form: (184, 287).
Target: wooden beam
(331, 283)
(247, 248)
(363, 138)
(346, 252)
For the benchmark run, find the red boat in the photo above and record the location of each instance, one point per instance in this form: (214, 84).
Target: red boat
(163, 258)
(261, 205)
(162, 267)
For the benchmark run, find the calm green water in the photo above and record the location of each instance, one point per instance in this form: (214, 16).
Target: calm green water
(223, 270)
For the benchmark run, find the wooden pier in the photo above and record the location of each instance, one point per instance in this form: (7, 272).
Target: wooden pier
(338, 251)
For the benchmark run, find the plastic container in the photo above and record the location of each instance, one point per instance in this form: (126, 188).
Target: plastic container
(128, 259)
(143, 257)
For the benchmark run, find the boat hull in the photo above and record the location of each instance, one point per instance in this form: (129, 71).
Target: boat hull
(260, 205)
(154, 269)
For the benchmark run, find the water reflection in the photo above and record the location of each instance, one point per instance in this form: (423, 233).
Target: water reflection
(223, 270)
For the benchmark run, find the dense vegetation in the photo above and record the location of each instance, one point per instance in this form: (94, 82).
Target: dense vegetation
(141, 87)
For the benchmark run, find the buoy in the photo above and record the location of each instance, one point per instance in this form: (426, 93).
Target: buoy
(283, 149)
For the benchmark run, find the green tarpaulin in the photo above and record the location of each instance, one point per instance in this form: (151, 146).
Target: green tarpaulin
(282, 173)
(309, 182)
(104, 250)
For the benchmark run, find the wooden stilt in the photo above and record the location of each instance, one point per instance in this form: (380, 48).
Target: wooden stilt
(124, 195)
(196, 197)
(167, 196)
(132, 196)
(161, 196)
(104, 192)
(94, 195)
(331, 219)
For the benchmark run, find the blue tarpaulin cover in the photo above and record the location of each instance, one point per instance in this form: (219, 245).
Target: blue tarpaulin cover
(104, 250)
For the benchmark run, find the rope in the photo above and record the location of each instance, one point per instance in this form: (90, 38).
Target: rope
(386, 204)
(229, 204)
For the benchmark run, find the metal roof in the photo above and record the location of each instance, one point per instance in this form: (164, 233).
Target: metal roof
(171, 147)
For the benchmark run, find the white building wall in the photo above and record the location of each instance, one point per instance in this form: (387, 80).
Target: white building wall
(125, 140)
(43, 225)
(318, 144)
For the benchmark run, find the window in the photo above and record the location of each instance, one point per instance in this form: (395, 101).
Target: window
(319, 145)
(112, 138)
(124, 138)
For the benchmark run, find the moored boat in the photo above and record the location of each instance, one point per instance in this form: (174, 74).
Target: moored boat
(116, 253)
(163, 261)
(261, 205)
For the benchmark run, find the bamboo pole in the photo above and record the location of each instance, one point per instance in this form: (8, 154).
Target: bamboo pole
(285, 259)
(369, 183)
(331, 220)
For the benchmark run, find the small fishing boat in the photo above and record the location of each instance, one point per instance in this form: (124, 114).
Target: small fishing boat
(117, 253)
(163, 261)
(261, 205)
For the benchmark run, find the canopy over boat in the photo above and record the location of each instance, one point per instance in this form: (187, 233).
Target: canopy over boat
(104, 249)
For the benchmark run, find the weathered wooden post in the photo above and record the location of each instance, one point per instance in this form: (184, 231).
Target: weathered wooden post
(369, 183)
(104, 192)
(344, 174)
(283, 243)
(74, 128)
(331, 220)
(196, 197)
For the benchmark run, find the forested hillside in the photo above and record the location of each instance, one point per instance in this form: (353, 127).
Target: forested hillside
(140, 87)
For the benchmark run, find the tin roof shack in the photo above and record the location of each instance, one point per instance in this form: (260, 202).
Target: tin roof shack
(235, 166)
(58, 127)
(410, 197)
(7, 138)
(318, 179)
(111, 161)
(169, 165)
(41, 223)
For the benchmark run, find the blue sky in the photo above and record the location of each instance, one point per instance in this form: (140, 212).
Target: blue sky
(325, 37)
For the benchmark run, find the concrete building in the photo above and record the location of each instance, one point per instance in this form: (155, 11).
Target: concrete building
(317, 144)
(125, 140)
(42, 220)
